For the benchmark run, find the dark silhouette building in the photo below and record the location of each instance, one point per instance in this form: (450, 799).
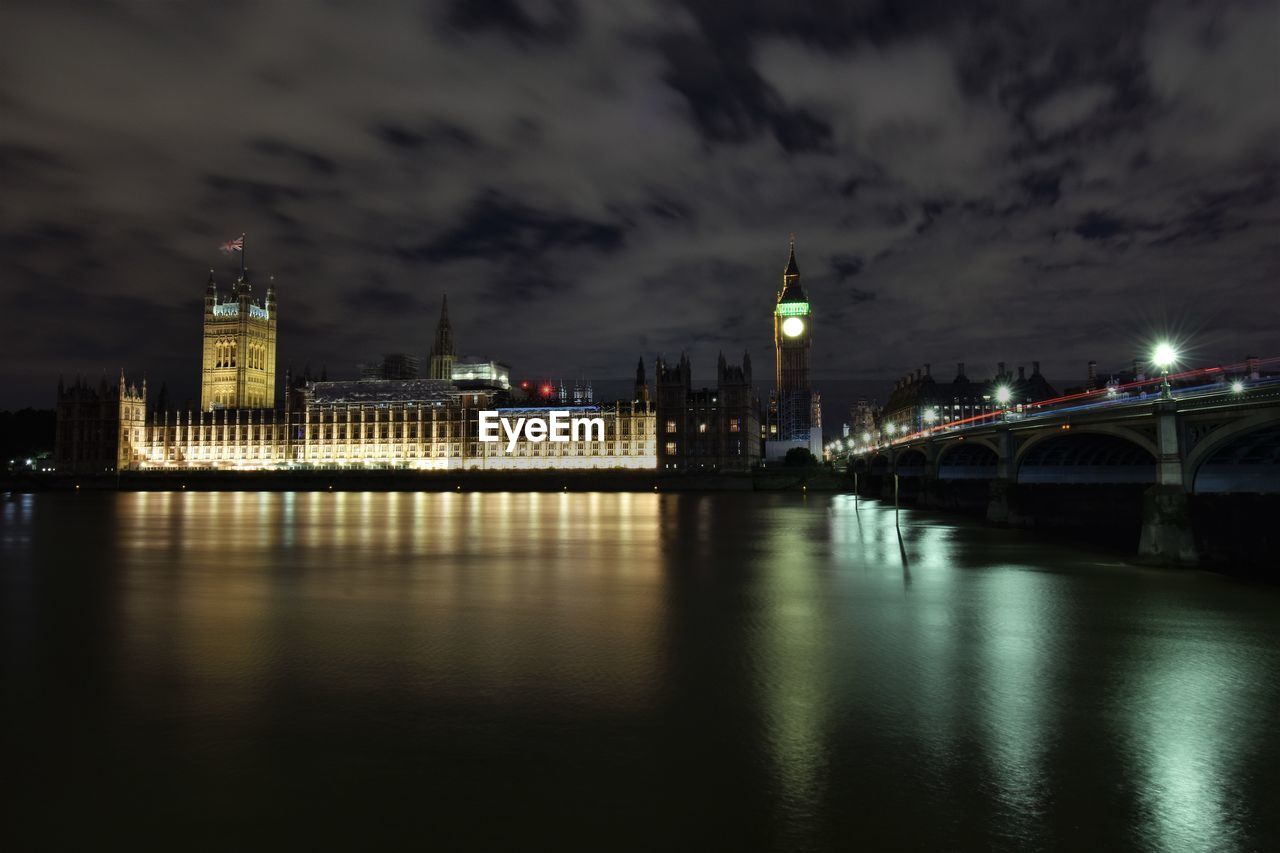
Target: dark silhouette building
(705, 429)
(918, 401)
(394, 365)
(99, 428)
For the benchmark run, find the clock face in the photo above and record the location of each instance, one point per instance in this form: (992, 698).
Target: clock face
(793, 327)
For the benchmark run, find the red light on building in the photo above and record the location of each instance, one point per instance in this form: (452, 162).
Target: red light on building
(546, 390)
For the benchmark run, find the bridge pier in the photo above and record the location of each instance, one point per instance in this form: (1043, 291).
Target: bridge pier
(1167, 537)
(1002, 503)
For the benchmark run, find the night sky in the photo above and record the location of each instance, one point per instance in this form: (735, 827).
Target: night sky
(593, 181)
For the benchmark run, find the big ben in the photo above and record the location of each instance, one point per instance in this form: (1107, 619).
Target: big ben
(794, 418)
(792, 330)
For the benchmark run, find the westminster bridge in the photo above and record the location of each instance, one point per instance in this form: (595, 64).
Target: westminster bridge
(1149, 454)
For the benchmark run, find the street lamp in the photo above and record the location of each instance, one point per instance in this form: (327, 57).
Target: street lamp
(1237, 387)
(1003, 396)
(866, 438)
(1164, 357)
(931, 416)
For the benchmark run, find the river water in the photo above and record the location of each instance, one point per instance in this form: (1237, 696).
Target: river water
(617, 671)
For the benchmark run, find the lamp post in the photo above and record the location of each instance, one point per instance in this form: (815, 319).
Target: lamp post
(1164, 356)
(1003, 396)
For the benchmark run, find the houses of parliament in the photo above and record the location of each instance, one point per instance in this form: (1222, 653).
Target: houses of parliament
(392, 419)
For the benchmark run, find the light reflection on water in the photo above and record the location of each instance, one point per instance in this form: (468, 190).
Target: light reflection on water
(689, 671)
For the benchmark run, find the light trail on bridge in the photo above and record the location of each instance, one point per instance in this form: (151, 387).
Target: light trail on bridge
(1109, 396)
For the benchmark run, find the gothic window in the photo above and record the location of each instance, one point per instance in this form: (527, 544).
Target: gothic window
(671, 426)
(671, 448)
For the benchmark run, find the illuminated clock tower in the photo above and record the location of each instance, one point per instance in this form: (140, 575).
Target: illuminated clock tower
(792, 330)
(794, 418)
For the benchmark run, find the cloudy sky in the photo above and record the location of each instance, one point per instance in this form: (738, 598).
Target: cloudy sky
(590, 181)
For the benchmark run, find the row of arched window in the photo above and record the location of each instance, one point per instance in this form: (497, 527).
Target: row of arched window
(225, 354)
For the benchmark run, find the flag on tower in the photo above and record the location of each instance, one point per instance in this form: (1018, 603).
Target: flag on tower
(236, 245)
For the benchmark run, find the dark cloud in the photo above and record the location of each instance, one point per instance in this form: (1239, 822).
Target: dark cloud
(438, 133)
(496, 227)
(553, 21)
(846, 266)
(316, 163)
(589, 179)
(1099, 225)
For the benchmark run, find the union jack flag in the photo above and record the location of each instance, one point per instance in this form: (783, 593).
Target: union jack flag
(236, 245)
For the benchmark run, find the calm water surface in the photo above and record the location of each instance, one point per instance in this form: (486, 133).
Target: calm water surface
(617, 671)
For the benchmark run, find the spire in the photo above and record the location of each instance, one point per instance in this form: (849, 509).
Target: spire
(443, 345)
(793, 269)
(641, 394)
(440, 365)
(791, 289)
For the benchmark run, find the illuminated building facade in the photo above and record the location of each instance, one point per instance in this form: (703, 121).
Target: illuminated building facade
(239, 361)
(794, 416)
(481, 374)
(423, 425)
(410, 424)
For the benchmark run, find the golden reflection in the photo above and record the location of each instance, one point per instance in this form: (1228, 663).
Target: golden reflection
(382, 588)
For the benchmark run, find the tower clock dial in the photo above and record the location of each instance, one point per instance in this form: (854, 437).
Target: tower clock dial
(793, 327)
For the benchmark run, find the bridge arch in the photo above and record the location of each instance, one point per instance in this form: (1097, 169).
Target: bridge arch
(859, 464)
(1243, 456)
(1124, 433)
(880, 464)
(911, 462)
(1099, 455)
(967, 460)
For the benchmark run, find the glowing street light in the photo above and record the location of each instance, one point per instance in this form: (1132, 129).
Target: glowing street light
(1237, 387)
(1164, 356)
(931, 416)
(866, 438)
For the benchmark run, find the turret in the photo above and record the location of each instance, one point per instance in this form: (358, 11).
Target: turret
(210, 294)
